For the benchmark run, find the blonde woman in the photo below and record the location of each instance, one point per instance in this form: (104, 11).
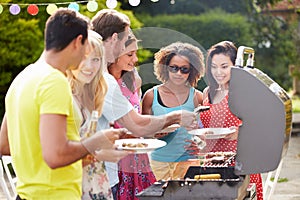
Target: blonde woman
(87, 82)
(89, 89)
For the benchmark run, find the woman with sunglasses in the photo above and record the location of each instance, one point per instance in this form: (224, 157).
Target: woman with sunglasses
(178, 66)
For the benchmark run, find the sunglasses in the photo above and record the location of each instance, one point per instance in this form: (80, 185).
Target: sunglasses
(175, 69)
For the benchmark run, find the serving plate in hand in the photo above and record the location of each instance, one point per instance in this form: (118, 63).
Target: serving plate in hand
(201, 109)
(139, 145)
(212, 133)
(169, 129)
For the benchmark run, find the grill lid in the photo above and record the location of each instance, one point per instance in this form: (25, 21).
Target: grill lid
(266, 112)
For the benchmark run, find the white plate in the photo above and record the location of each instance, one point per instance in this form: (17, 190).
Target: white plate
(152, 144)
(170, 128)
(212, 133)
(201, 109)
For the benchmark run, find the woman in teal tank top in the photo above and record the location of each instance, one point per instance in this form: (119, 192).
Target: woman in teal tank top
(178, 66)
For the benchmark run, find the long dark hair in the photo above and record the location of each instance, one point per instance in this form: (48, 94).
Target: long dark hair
(226, 48)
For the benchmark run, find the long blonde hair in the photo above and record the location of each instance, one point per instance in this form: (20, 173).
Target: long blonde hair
(91, 95)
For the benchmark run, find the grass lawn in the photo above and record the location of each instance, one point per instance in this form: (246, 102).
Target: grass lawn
(296, 104)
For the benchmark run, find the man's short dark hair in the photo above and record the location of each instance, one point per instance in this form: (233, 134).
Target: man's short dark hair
(63, 27)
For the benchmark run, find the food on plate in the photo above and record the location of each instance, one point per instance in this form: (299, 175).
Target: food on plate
(139, 145)
(209, 133)
(226, 154)
(212, 133)
(217, 159)
(135, 145)
(207, 176)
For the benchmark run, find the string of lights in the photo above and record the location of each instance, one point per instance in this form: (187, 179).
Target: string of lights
(92, 6)
(33, 8)
(42, 4)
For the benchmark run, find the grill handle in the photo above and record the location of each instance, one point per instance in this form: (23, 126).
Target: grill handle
(239, 62)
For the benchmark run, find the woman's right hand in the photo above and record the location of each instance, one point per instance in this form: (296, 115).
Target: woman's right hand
(187, 119)
(111, 155)
(195, 146)
(103, 139)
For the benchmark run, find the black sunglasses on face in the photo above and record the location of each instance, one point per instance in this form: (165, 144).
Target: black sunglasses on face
(175, 69)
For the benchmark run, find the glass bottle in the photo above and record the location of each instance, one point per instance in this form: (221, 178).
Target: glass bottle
(92, 129)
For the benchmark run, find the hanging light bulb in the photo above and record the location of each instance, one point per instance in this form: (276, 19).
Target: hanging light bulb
(134, 2)
(111, 3)
(92, 6)
(1, 9)
(51, 8)
(172, 2)
(74, 6)
(154, 0)
(33, 9)
(14, 9)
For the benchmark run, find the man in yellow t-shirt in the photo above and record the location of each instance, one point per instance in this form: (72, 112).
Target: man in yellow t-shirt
(39, 129)
(40, 89)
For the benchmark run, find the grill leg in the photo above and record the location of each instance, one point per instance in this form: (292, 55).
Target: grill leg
(269, 186)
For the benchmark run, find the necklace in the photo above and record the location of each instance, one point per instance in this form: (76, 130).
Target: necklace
(173, 98)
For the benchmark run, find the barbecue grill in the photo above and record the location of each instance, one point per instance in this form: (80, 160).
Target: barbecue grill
(266, 112)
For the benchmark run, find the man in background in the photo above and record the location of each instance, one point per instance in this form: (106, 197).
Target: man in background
(114, 27)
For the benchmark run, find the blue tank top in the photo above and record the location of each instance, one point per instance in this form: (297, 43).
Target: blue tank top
(174, 151)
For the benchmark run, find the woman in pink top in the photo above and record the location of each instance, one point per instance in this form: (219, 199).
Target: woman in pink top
(220, 58)
(135, 173)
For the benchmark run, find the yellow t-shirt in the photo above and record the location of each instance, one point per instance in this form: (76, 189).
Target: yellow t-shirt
(40, 89)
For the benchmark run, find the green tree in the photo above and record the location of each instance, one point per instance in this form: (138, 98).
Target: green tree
(271, 37)
(20, 42)
(21, 38)
(205, 29)
(264, 3)
(190, 7)
(274, 45)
